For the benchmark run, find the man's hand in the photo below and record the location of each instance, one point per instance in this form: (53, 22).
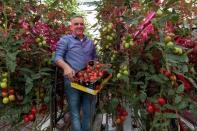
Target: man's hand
(68, 71)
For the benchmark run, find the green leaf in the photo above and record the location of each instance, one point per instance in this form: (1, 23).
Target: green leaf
(44, 74)
(180, 89)
(183, 104)
(176, 58)
(110, 71)
(168, 106)
(184, 68)
(114, 102)
(26, 100)
(157, 78)
(192, 82)
(28, 85)
(178, 99)
(171, 92)
(193, 109)
(137, 83)
(143, 96)
(35, 76)
(11, 60)
(26, 71)
(45, 70)
(163, 124)
(169, 115)
(46, 99)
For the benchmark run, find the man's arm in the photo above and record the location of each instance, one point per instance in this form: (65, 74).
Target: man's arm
(68, 71)
(94, 54)
(61, 50)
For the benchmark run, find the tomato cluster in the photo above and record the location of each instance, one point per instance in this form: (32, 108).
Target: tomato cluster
(6, 93)
(121, 114)
(93, 72)
(31, 116)
(154, 107)
(174, 78)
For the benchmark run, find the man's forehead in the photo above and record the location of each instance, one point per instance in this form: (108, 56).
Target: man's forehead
(76, 19)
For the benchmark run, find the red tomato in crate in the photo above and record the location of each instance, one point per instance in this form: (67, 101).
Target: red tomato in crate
(26, 119)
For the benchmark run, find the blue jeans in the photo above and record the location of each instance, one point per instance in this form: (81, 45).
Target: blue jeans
(80, 100)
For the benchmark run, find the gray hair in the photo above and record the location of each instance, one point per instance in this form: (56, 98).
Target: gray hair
(76, 16)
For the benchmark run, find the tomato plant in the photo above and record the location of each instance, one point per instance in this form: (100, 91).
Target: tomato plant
(159, 64)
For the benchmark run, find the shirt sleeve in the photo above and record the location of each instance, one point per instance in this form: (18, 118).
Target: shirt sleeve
(94, 55)
(61, 49)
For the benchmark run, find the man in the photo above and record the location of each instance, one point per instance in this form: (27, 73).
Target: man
(73, 52)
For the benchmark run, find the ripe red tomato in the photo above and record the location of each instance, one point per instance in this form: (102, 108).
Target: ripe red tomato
(125, 113)
(31, 117)
(88, 70)
(100, 74)
(11, 91)
(167, 74)
(187, 86)
(122, 118)
(79, 74)
(33, 110)
(26, 119)
(4, 89)
(98, 66)
(161, 101)
(43, 108)
(95, 74)
(151, 109)
(161, 71)
(4, 94)
(118, 121)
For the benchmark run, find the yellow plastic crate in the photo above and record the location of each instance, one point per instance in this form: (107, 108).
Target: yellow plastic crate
(88, 90)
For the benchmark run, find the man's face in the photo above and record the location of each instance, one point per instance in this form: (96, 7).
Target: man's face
(77, 26)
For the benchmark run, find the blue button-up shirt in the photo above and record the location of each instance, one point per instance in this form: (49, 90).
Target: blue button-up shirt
(77, 53)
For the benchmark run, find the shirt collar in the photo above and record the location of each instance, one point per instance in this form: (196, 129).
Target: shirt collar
(75, 37)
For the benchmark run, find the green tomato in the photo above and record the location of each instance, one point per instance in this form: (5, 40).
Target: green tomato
(3, 85)
(110, 25)
(125, 72)
(187, 1)
(159, 12)
(170, 44)
(119, 75)
(11, 97)
(113, 57)
(104, 29)
(5, 74)
(49, 62)
(44, 42)
(178, 50)
(38, 40)
(109, 38)
(127, 45)
(125, 67)
(167, 39)
(113, 34)
(40, 44)
(106, 46)
(5, 100)
(5, 80)
(131, 42)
